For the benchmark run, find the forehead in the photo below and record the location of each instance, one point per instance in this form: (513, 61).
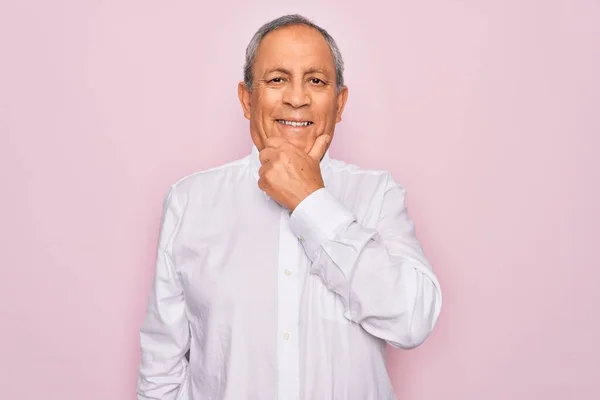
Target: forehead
(295, 48)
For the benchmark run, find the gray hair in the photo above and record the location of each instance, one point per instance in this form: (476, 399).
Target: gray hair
(288, 20)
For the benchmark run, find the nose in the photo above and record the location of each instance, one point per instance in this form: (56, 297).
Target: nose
(296, 95)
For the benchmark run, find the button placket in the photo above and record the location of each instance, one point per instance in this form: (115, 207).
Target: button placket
(288, 311)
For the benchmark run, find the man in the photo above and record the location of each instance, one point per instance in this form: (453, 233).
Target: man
(285, 273)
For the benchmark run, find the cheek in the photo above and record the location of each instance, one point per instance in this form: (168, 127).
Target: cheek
(327, 118)
(327, 108)
(266, 101)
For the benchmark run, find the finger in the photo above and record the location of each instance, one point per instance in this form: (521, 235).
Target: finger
(262, 179)
(267, 154)
(261, 184)
(262, 171)
(319, 147)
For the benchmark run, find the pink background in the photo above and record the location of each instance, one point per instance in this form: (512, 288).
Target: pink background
(487, 111)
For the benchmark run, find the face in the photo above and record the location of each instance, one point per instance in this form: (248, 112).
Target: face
(294, 91)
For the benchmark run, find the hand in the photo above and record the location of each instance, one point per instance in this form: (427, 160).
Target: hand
(288, 174)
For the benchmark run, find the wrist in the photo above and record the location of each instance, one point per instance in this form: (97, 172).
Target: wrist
(306, 193)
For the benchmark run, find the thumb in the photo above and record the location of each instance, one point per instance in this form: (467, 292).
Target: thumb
(319, 147)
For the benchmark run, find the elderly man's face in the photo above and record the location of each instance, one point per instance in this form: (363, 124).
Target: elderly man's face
(294, 90)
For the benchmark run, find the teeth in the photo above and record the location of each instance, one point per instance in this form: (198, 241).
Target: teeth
(294, 123)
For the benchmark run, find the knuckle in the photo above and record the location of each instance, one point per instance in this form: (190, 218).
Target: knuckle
(270, 172)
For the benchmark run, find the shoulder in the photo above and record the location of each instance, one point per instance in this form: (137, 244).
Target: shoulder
(210, 177)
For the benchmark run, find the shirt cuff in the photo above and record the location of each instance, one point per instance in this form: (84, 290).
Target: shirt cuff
(317, 219)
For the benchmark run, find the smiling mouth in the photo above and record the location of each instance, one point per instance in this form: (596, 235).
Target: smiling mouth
(295, 124)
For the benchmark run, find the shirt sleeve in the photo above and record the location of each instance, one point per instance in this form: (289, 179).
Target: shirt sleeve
(380, 274)
(165, 334)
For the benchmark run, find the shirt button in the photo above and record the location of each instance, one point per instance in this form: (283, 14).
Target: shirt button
(286, 336)
(287, 272)
(302, 238)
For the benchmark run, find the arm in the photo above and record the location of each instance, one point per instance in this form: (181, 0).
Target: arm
(164, 335)
(381, 275)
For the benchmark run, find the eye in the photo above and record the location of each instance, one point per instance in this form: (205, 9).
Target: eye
(276, 80)
(317, 81)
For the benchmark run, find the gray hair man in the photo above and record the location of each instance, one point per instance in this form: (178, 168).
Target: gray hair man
(284, 273)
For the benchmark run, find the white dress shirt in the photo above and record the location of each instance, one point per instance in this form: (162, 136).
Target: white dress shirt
(279, 305)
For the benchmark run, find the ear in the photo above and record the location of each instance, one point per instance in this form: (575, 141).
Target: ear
(342, 97)
(244, 96)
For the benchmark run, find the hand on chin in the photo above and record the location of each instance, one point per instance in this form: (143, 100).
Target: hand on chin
(288, 174)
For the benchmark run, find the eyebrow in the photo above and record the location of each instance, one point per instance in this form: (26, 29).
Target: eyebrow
(311, 70)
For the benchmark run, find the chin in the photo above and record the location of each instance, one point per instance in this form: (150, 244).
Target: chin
(301, 142)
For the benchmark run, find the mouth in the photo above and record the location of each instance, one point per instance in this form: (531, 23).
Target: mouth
(294, 124)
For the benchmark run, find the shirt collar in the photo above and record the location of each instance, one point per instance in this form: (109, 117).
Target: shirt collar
(255, 164)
